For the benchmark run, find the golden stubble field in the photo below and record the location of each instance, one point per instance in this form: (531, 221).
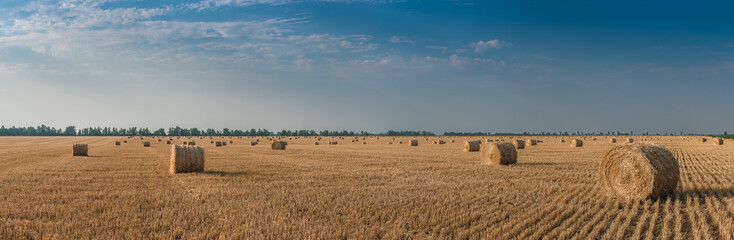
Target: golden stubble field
(350, 190)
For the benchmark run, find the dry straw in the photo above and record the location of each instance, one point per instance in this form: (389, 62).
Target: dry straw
(519, 144)
(638, 171)
(278, 145)
(81, 149)
(577, 143)
(500, 153)
(471, 146)
(413, 142)
(186, 159)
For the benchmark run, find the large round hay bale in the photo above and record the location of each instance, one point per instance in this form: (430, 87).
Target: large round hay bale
(413, 142)
(500, 153)
(702, 140)
(718, 141)
(638, 171)
(577, 143)
(80, 150)
(519, 144)
(612, 140)
(630, 140)
(186, 159)
(278, 145)
(471, 146)
(531, 142)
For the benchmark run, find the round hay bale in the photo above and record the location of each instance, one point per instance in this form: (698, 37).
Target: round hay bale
(501, 153)
(400, 142)
(316, 143)
(217, 144)
(117, 143)
(253, 143)
(519, 144)
(638, 171)
(390, 143)
(168, 142)
(531, 142)
(413, 142)
(146, 144)
(562, 141)
(718, 141)
(630, 140)
(577, 143)
(612, 140)
(471, 146)
(703, 140)
(278, 145)
(80, 150)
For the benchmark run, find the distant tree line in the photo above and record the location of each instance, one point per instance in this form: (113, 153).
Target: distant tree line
(44, 130)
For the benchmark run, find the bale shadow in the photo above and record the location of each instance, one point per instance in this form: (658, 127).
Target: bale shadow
(227, 174)
(537, 164)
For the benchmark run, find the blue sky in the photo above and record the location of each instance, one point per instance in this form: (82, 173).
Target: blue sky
(458, 65)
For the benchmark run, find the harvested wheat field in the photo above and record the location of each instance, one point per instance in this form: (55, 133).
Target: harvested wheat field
(351, 190)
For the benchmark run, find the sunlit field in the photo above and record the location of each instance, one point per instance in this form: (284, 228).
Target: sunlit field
(350, 190)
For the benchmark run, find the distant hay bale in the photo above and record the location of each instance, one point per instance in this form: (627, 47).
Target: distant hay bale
(224, 143)
(185, 143)
(531, 142)
(124, 141)
(718, 141)
(488, 140)
(413, 142)
(278, 145)
(186, 159)
(146, 144)
(389, 143)
(192, 143)
(638, 171)
(80, 149)
(218, 144)
(562, 141)
(212, 141)
(577, 143)
(519, 144)
(630, 140)
(254, 143)
(230, 142)
(168, 142)
(441, 142)
(612, 140)
(117, 143)
(400, 142)
(159, 140)
(471, 146)
(364, 143)
(703, 140)
(316, 143)
(500, 153)
(452, 141)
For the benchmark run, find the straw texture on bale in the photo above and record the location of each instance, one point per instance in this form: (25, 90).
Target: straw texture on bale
(146, 144)
(471, 146)
(531, 142)
(278, 145)
(501, 153)
(81, 150)
(413, 143)
(186, 159)
(638, 171)
(519, 144)
(612, 140)
(577, 143)
(718, 141)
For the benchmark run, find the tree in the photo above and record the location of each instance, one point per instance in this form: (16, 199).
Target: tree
(70, 131)
(160, 132)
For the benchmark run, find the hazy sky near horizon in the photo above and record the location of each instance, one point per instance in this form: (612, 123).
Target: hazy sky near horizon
(454, 65)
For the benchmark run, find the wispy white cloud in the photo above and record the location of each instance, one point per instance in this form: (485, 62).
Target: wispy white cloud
(482, 46)
(400, 39)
